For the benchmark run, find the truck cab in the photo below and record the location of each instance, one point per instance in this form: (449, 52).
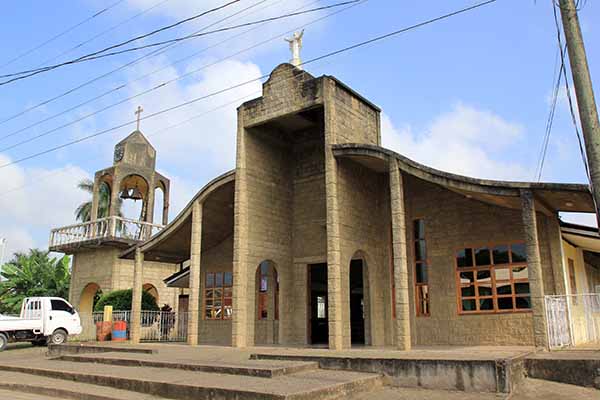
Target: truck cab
(42, 319)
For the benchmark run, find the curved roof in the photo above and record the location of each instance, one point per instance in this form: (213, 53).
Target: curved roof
(551, 196)
(179, 222)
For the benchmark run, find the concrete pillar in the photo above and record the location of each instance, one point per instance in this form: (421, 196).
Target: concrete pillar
(165, 213)
(240, 320)
(195, 273)
(534, 268)
(399, 259)
(334, 252)
(149, 202)
(136, 301)
(95, 199)
(114, 196)
(556, 252)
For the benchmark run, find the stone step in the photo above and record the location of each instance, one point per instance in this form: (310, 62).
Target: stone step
(182, 384)
(40, 387)
(263, 369)
(86, 348)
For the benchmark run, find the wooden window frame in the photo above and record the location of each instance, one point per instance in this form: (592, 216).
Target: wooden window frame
(419, 312)
(492, 268)
(210, 294)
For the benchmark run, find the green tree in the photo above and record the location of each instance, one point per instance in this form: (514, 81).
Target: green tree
(120, 300)
(83, 213)
(30, 275)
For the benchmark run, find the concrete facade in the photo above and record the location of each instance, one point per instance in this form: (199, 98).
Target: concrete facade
(316, 197)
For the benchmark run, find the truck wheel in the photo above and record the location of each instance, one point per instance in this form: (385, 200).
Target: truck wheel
(59, 336)
(3, 341)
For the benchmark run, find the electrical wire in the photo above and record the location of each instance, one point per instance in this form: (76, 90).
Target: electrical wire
(104, 32)
(164, 42)
(241, 84)
(53, 38)
(161, 85)
(136, 61)
(549, 121)
(114, 46)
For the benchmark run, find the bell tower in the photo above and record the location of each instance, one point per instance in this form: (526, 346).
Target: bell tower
(132, 177)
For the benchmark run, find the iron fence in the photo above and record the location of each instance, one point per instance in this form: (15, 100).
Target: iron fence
(573, 320)
(156, 326)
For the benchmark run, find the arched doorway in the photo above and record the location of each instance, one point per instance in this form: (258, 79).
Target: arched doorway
(266, 326)
(89, 296)
(151, 290)
(359, 300)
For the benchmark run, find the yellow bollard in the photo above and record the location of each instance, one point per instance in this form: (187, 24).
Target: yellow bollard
(108, 313)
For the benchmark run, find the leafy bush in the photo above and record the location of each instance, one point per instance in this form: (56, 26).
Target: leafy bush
(120, 300)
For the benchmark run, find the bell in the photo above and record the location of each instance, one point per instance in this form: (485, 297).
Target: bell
(135, 194)
(125, 194)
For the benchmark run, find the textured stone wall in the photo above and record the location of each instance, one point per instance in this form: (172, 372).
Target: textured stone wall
(216, 259)
(364, 223)
(451, 222)
(103, 267)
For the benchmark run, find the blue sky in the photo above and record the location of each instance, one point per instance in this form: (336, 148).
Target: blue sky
(469, 94)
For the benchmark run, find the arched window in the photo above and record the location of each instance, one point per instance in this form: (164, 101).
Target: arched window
(268, 291)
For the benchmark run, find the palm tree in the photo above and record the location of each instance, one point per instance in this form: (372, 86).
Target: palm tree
(83, 213)
(30, 275)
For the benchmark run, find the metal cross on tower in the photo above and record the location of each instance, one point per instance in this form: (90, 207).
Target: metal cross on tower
(138, 113)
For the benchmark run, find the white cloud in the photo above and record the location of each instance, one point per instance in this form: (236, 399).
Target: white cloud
(35, 200)
(208, 140)
(464, 140)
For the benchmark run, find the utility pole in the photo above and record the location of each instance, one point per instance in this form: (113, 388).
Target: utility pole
(2, 250)
(588, 113)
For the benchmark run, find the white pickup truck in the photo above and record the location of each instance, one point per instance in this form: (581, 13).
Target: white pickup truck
(41, 319)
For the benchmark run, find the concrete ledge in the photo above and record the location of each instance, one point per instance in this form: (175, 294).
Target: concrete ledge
(256, 371)
(71, 348)
(581, 372)
(496, 376)
(52, 392)
(163, 388)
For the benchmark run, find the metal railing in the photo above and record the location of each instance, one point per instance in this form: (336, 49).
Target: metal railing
(110, 227)
(156, 326)
(573, 320)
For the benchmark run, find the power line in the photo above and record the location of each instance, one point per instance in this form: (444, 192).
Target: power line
(27, 74)
(114, 46)
(549, 121)
(123, 85)
(124, 66)
(156, 87)
(104, 32)
(95, 15)
(224, 90)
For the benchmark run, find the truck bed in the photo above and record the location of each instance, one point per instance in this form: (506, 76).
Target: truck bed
(19, 324)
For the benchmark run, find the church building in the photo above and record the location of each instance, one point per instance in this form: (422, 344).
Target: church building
(322, 237)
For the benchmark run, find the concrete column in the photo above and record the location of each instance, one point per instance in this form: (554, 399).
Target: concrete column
(114, 196)
(334, 252)
(399, 259)
(95, 199)
(240, 320)
(136, 301)
(149, 201)
(195, 261)
(165, 213)
(534, 268)
(556, 252)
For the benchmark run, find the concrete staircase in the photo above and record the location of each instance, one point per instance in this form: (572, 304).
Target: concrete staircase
(115, 376)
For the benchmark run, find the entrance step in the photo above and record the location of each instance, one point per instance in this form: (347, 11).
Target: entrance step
(15, 384)
(183, 384)
(83, 348)
(263, 369)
